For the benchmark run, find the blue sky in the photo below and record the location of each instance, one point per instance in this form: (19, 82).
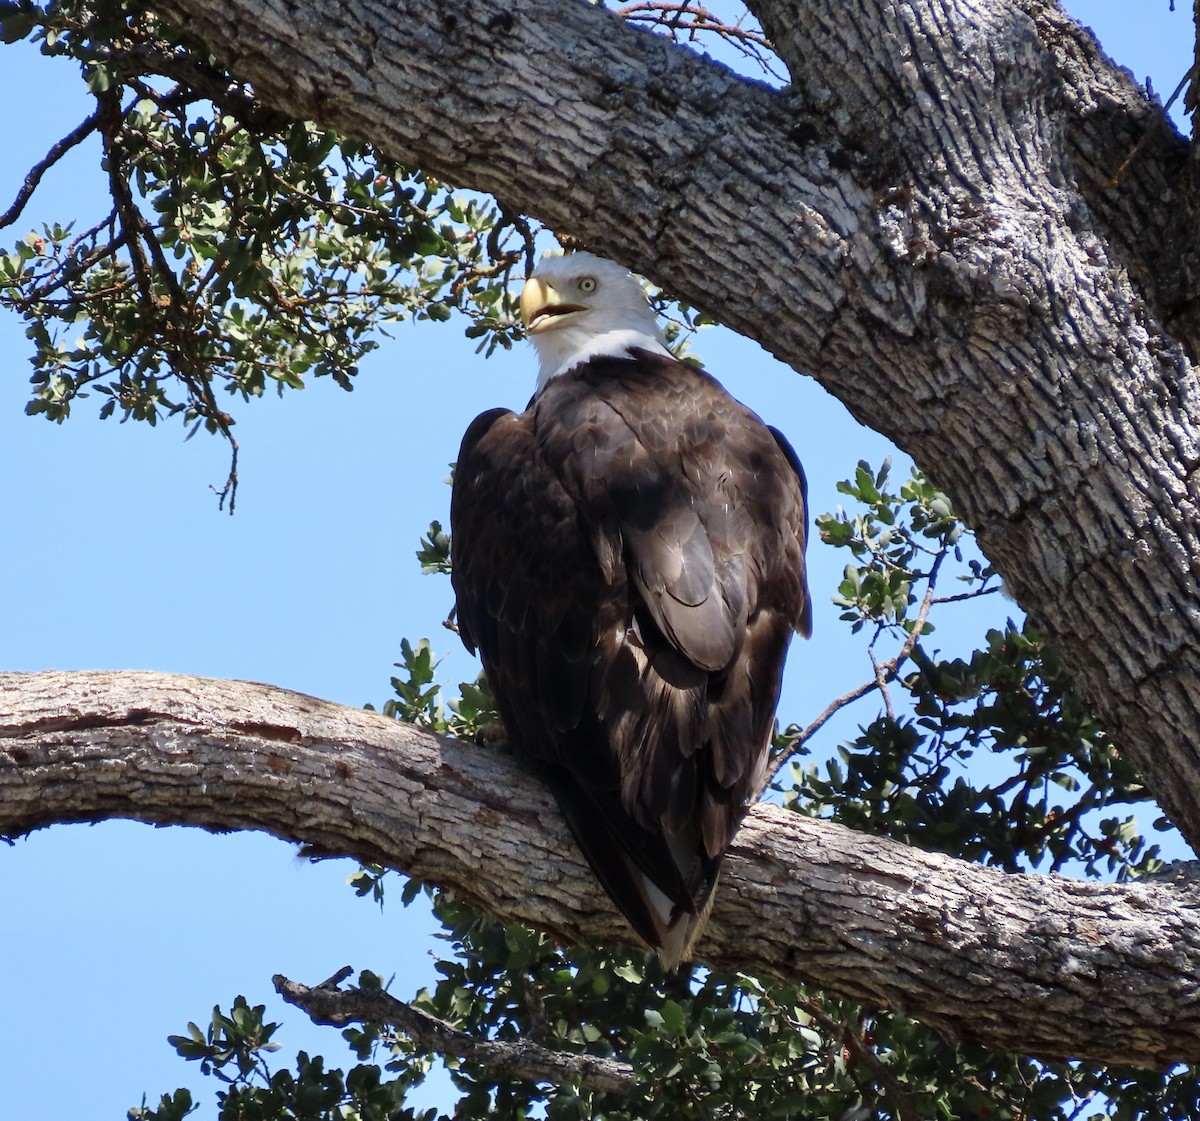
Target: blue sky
(116, 557)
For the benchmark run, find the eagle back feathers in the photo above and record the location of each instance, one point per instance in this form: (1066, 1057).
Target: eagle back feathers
(628, 556)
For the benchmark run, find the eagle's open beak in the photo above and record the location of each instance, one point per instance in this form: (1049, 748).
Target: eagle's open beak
(541, 307)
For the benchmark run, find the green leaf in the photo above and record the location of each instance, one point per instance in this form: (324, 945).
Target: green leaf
(18, 21)
(673, 1017)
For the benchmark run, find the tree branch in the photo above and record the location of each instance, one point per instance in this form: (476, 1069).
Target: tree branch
(524, 1058)
(76, 136)
(884, 674)
(864, 1055)
(1039, 964)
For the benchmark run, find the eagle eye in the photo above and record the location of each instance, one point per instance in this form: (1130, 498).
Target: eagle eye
(587, 285)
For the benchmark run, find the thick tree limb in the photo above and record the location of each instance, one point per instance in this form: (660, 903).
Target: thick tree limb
(928, 221)
(521, 1057)
(1042, 965)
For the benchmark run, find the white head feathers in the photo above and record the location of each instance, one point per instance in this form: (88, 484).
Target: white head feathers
(579, 306)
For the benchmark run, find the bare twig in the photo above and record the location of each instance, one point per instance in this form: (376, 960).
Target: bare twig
(1151, 128)
(962, 597)
(130, 218)
(884, 674)
(76, 136)
(836, 705)
(881, 670)
(524, 1058)
(684, 19)
(229, 490)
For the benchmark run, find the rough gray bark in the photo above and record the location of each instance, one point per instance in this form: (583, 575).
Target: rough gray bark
(1038, 964)
(934, 221)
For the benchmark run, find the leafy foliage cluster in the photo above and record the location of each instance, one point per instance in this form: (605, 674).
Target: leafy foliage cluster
(1006, 711)
(705, 1044)
(242, 250)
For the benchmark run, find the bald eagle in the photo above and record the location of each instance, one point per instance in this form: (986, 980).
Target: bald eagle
(628, 558)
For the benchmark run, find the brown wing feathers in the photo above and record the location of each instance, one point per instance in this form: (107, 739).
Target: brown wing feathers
(628, 560)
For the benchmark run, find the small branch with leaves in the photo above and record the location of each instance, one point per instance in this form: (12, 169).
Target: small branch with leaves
(245, 250)
(525, 1058)
(887, 537)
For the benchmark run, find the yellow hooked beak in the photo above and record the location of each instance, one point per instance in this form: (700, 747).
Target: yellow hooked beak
(542, 308)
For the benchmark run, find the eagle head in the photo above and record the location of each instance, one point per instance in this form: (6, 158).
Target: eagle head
(579, 306)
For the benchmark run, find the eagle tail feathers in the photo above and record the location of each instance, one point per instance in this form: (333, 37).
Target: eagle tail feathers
(667, 912)
(681, 933)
